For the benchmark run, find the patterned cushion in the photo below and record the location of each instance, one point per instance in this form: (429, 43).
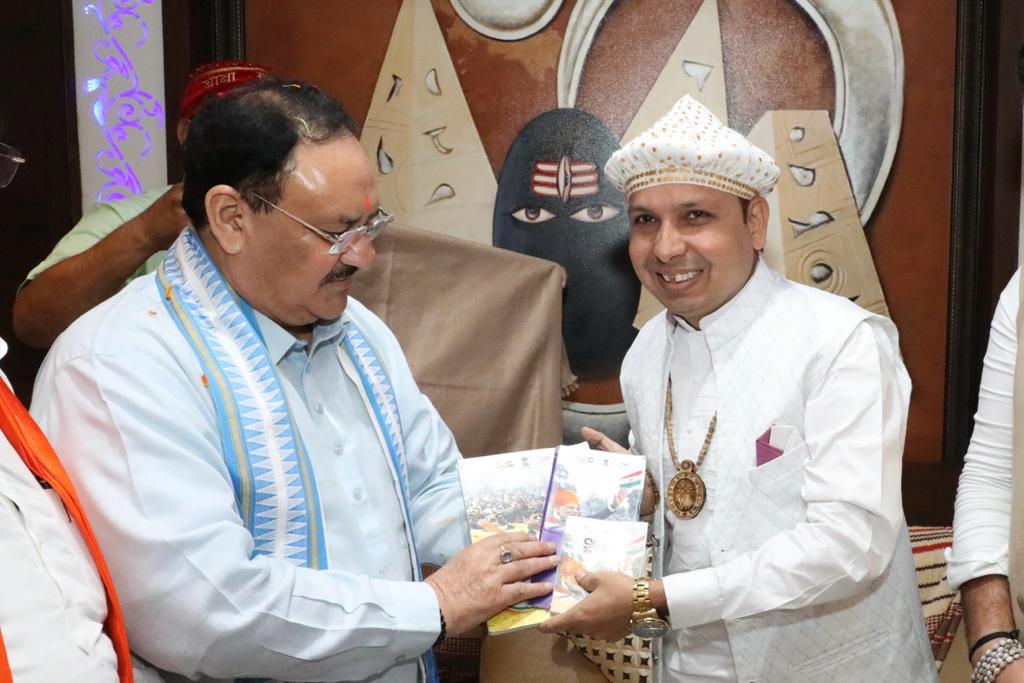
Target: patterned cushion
(941, 604)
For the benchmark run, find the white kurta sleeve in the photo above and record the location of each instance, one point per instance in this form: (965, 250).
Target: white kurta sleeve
(981, 518)
(854, 428)
(147, 459)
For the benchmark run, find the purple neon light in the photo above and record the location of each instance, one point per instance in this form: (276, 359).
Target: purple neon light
(121, 108)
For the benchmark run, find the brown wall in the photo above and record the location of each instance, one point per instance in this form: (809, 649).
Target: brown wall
(909, 236)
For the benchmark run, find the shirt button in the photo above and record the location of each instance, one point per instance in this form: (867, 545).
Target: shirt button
(338, 450)
(308, 369)
(357, 494)
(319, 408)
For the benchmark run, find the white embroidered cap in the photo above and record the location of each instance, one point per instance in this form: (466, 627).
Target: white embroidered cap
(690, 145)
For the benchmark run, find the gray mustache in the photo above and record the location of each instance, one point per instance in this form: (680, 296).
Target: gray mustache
(341, 274)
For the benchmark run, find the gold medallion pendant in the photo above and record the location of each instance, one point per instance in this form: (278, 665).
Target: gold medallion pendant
(686, 492)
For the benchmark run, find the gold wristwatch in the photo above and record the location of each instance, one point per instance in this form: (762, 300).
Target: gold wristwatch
(645, 621)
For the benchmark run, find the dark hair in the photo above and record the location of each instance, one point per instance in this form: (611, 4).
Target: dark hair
(245, 137)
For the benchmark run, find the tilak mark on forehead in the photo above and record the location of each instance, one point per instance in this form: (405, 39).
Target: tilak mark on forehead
(565, 178)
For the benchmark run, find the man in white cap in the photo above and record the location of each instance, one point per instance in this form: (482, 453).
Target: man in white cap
(773, 417)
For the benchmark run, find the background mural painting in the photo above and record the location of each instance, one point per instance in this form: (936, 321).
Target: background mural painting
(551, 199)
(468, 103)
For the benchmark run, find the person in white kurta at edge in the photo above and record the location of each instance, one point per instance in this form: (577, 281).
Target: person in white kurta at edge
(979, 560)
(787, 560)
(250, 441)
(56, 623)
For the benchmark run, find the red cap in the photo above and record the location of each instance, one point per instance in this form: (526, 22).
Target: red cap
(217, 78)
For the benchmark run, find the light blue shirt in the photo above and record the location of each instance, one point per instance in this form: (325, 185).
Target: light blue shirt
(122, 398)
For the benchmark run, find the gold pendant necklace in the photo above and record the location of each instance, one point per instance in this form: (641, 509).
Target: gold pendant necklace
(686, 492)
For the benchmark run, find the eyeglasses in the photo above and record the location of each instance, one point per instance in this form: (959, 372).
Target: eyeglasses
(340, 242)
(10, 160)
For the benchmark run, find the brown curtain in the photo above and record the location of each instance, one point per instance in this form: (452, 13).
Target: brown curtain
(481, 328)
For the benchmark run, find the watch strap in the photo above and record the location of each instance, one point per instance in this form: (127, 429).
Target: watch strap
(642, 596)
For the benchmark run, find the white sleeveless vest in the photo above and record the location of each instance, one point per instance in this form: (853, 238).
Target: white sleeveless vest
(769, 353)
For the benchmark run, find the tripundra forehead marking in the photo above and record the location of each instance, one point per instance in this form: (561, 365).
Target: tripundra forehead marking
(566, 179)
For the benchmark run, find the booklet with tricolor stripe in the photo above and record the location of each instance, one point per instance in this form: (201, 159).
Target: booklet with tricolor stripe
(591, 484)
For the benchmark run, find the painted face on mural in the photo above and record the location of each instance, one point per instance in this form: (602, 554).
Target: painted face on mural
(553, 202)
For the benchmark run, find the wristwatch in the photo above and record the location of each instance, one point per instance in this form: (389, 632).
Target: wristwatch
(645, 620)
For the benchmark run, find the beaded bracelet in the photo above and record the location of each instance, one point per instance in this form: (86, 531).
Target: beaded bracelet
(1014, 635)
(995, 660)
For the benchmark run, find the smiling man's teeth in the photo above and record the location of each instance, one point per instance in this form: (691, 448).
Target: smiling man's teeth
(680, 277)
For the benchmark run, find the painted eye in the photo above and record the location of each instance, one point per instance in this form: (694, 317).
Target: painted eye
(821, 272)
(595, 213)
(532, 214)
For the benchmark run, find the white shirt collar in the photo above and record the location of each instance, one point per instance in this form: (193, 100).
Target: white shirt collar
(739, 311)
(710, 318)
(279, 341)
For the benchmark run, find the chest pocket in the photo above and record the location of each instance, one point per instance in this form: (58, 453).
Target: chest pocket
(781, 479)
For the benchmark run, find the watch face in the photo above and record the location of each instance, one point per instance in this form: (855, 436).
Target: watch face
(650, 628)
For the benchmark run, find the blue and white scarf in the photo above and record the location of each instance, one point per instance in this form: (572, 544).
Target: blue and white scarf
(274, 484)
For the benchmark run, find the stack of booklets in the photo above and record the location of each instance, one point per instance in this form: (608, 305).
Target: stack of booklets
(585, 501)
(597, 545)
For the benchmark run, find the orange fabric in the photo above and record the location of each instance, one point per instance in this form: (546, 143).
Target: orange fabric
(565, 497)
(5, 668)
(38, 455)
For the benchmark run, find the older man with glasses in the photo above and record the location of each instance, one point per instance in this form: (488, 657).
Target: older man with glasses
(250, 441)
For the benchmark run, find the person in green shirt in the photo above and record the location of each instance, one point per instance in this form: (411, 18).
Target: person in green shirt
(115, 242)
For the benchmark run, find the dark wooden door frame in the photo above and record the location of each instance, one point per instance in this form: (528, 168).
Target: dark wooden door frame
(196, 33)
(38, 117)
(974, 238)
(983, 232)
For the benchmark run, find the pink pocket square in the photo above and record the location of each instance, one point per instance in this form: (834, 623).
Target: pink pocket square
(765, 451)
